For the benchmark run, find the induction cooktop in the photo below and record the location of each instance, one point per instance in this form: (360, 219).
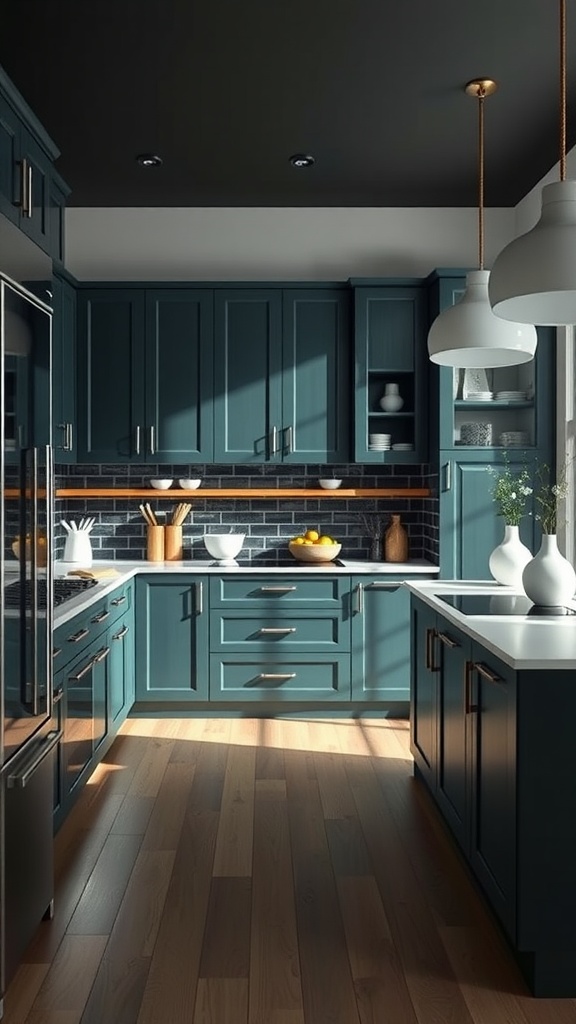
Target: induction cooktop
(501, 604)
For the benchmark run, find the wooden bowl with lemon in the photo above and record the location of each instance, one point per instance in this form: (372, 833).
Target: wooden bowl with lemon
(314, 547)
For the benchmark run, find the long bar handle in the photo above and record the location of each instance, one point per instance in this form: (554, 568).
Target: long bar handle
(274, 441)
(29, 203)
(277, 629)
(277, 590)
(83, 671)
(36, 584)
(121, 634)
(21, 780)
(102, 654)
(137, 441)
(469, 707)
(448, 476)
(66, 446)
(430, 636)
(25, 188)
(118, 600)
(152, 441)
(447, 640)
(75, 638)
(360, 599)
(199, 597)
(484, 671)
(101, 617)
(289, 439)
(277, 675)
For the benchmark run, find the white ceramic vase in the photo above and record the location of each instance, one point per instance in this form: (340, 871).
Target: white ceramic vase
(549, 580)
(391, 400)
(508, 560)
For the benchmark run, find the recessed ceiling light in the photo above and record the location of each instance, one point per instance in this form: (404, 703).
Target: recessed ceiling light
(149, 160)
(301, 160)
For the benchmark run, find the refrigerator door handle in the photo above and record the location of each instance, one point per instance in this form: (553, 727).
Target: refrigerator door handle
(19, 780)
(35, 580)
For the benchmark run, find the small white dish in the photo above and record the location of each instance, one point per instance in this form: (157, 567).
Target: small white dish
(330, 485)
(189, 485)
(161, 485)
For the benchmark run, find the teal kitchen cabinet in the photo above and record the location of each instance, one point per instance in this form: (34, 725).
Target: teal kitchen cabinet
(390, 348)
(64, 370)
(380, 612)
(25, 167)
(470, 528)
(145, 375)
(121, 671)
(279, 639)
(171, 638)
(281, 375)
(463, 739)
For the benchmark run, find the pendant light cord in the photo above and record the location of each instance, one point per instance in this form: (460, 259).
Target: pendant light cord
(481, 95)
(562, 90)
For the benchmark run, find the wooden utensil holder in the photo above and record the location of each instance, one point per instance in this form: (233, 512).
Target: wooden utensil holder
(173, 543)
(155, 544)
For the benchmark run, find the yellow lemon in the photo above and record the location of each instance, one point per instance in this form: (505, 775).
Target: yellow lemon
(325, 540)
(311, 535)
(307, 541)
(297, 540)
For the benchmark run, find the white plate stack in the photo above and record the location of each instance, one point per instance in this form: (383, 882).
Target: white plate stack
(510, 396)
(402, 447)
(379, 442)
(479, 396)
(514, 439)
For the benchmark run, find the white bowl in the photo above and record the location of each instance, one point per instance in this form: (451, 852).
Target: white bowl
(161, 485)
(330, 485)
(189, 485)
(224, 546)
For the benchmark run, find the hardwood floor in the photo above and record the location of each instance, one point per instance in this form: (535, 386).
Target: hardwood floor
(245, 871)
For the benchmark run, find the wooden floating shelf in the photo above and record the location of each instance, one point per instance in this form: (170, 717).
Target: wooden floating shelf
(173, 494)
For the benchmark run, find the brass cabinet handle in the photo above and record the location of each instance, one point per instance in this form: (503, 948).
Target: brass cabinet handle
(484, 671)
(469, 707)
(277, 629)
(447, 640)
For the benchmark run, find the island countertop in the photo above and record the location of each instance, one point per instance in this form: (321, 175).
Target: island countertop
(521, 641)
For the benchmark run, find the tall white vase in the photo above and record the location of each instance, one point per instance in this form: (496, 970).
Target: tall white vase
(549, 579)
(507, 561)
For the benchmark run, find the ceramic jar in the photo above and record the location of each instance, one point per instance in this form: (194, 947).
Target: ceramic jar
(391, 400)
(396, 541)
(508, 560)
(548, 579)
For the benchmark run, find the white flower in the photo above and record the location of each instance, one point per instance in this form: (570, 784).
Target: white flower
(513, 495)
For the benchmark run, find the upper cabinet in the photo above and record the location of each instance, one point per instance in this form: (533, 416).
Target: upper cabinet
(64, 432)
(391, 374)
(145, 375)
(281, 375)
(27, 195)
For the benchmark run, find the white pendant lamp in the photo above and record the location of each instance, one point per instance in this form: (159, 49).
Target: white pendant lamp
(468, 334)
(534, 278)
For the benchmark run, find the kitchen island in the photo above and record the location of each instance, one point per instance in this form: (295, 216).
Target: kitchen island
(493, 706)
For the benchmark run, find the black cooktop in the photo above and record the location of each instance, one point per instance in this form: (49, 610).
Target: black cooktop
(64, 588)
(501, 604)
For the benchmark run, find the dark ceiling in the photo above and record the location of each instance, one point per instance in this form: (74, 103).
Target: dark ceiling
(226, 91)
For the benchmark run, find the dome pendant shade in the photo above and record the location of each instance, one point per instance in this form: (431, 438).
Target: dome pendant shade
(468, 335)
(533, 280)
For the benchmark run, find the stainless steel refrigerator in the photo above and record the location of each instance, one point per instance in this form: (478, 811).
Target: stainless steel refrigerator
(29, 736)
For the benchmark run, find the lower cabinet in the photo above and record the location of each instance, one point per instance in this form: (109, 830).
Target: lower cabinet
(121, 683)
(501, 773)
(380, 622)
(171, 638)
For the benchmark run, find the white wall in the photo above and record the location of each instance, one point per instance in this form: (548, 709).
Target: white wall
(282, 244)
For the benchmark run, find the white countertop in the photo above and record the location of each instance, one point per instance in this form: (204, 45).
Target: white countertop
(521, 641)
(126, 570)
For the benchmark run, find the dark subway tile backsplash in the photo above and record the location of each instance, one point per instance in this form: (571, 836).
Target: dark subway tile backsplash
(120, 532)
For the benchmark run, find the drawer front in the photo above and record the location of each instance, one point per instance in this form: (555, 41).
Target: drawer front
(74, 636)
(120, 601)
(275, 589)
(280, 679)
(295, 629)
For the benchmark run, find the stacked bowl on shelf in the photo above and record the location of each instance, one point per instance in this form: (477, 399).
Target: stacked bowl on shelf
(514, 439)
(510, 396)
(379, 442)
(479, 396)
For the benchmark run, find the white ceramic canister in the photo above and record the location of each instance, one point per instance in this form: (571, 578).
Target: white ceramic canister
(391, 400)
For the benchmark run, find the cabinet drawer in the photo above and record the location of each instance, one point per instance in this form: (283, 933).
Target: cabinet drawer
(295, 629)
(280, 678)
(273, 590)
(120, 602)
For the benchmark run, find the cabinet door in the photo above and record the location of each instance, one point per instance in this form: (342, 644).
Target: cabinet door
(121, 670)
(390, 347)
(171, 638)
(424, 691)
(315, 376)
(493, 791)
(64, 370)
(469, 526)
(10, 176)
(380, 640)
(35, 218)
(111, 423)
(179, 375)
(453, 650)
(248, 376)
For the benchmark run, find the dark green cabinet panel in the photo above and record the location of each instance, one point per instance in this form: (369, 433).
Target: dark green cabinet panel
(272, 592)
(64, 425)
(259, 631)
(449, 652)
(121, 676)
(238, 677)
(179, 374)
(470, 529)
(25, 170)
(390, 348)
(247, 380)
(423, 692)
(171, 638)
(280, 380)
(380, 640)
(110, 404)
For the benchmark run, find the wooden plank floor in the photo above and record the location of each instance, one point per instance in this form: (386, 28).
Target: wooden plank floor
(243, 871)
